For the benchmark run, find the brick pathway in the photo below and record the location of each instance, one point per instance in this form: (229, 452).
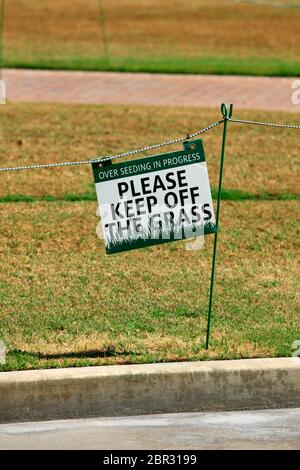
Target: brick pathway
(157, 89)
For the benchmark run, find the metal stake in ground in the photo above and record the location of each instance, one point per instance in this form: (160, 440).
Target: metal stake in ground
(227, 115)
(2, 6)
(102, 20)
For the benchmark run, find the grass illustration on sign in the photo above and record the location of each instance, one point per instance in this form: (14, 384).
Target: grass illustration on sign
(155, 200)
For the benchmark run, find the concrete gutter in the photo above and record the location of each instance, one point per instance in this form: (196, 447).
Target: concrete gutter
(152, 388)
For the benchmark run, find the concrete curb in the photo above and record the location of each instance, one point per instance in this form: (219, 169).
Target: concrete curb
(152, 388)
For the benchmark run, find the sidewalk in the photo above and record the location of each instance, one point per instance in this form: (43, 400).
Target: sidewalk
(149, 89)
(263, 429)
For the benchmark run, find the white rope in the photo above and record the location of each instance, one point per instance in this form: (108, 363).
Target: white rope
(150, 147)
(269, 124)
(270, 3)
(113, 157)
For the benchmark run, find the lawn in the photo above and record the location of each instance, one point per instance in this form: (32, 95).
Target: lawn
(198, 36)
(64, 302)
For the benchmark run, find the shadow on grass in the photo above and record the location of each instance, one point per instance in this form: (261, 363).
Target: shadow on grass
(88, 354)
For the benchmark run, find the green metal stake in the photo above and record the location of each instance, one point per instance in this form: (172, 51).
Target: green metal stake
(226, 115)
(103, 29)
(1, 35)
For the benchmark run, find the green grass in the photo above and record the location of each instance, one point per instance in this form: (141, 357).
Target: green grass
(64, 302)
(227, 195)
(257, 165)
(189, 65)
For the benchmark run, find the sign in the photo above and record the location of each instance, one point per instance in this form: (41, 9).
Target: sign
(155, 199)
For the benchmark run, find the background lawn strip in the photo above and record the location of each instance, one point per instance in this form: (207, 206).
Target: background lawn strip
(256, 162)
(142, 36)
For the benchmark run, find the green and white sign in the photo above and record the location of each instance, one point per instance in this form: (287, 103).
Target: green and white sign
(155, 199)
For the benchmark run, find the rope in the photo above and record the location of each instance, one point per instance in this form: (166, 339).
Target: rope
(113, 157)
(269, 124)
(150, 147)
(270, 4)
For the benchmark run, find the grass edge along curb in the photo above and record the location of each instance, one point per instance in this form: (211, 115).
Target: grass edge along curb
(148, 389)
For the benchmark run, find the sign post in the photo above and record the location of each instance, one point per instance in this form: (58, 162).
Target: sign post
(226, 115)
(160, 199)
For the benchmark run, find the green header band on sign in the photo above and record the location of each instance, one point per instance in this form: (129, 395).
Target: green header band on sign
(194, 153)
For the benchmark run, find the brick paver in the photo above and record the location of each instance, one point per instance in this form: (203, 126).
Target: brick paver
(156, 89)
